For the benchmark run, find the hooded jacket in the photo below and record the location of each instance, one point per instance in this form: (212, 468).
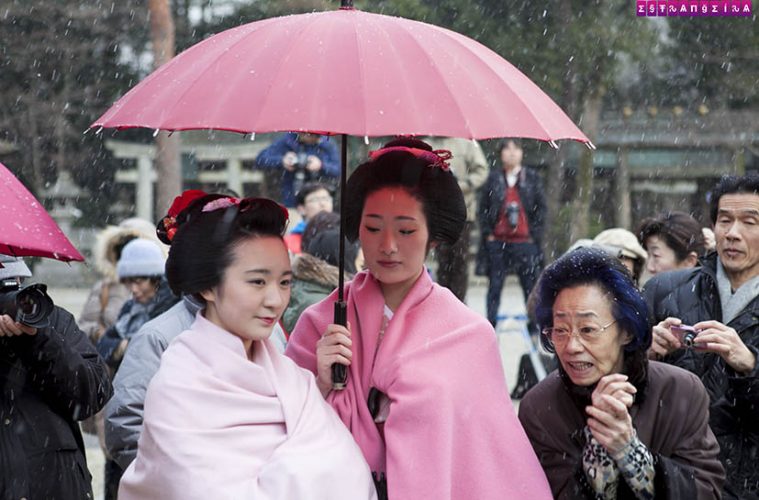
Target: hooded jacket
(693, 296)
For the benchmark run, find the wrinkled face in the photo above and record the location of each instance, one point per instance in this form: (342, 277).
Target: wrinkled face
(587, 361)
(511, 155)
(661, 257)
(737, 233)
(254, 290)
(318, 201)
(393, 236)
(142, 288)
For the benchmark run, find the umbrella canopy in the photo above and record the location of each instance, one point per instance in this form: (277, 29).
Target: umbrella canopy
(26, 229)
(343, 72)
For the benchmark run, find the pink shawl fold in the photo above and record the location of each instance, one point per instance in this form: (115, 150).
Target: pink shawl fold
(451, 432)
(220, 426)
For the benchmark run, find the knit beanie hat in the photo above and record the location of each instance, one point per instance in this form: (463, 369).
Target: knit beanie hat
(13, 267)
(141, 257)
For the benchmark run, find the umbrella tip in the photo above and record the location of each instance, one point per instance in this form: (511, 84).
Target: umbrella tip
(346, 4)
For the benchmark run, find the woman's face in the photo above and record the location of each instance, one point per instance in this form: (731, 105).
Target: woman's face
(254, 290)
(394, 236)
(586, 361)
(143, 289)
(661, 257)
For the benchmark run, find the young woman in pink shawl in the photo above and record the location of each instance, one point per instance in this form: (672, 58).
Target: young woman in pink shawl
(227, 416)
(426, 397)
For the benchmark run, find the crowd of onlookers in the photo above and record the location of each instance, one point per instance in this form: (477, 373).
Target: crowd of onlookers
(203, 357)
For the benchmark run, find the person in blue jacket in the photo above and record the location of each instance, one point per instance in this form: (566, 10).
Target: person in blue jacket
(303, 158)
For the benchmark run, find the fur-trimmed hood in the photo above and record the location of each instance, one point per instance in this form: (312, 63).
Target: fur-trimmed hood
(306, 267)
(104, 251)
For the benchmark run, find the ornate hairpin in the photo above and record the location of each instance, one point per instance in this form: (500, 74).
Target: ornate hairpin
(180, 203)
(437, 158)
(220, 203)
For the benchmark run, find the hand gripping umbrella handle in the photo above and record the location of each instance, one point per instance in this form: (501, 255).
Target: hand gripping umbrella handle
(340, 372)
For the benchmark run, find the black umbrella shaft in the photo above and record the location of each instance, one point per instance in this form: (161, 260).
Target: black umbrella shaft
(340, 372)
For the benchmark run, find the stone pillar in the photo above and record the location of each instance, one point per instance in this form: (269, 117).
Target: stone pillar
(234, 176)
(144, 188)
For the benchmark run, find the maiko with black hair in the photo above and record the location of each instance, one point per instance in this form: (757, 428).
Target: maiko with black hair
(426, 397)
(227, 415)
(609, 423)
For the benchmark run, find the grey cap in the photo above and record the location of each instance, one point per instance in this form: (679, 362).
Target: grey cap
(13, 267)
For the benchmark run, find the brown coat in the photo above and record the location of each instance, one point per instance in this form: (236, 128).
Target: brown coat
(672, 422)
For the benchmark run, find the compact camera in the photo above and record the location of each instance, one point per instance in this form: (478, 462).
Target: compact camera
(512, 213)
(30, 305)
(685, 334)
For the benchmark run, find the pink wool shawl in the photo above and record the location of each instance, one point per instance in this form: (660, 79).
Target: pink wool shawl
(451, 432)
(220, 426)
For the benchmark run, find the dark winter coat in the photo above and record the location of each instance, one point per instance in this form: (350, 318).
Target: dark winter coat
(313, 280)
(326, 150)
(692, 295)
(530, 188)
(671, 420)
(48, 381)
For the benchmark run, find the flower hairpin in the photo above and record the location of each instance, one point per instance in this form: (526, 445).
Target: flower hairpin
(178, 205)
(219, 203)
(437, 158)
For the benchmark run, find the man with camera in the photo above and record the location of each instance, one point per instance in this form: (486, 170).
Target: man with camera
(50, 377)
(512, 215)
(303, 158)
(707, 321)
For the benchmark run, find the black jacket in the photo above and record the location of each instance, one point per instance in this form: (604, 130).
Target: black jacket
(48, 381)
(692, 295)
(530, 188)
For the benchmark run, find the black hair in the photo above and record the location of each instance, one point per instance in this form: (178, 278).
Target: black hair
(503, 143)
(434, 187)
(594, 267)
(120, 243)
(307, 189)
(731, 184)
(680, 231)
(204, 243)
(321, 238)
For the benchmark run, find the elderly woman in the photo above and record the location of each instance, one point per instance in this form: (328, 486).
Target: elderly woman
(609, 423)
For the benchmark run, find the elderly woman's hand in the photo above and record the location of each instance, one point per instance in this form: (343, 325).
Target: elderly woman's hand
(333, 347)
(664, 342)
(608, 418)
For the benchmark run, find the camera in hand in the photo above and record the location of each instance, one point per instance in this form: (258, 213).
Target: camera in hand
(512, 213)
(301, 173)
(687, 334)
(30, 305)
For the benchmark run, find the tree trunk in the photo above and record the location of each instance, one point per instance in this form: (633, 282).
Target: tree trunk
(591, 116)
(167, 166)
(622, 191)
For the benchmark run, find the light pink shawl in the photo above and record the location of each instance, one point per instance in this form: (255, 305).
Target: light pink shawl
(220, 426)
(452, 432)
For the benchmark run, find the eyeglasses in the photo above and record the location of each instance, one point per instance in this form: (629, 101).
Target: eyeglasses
(588, 334)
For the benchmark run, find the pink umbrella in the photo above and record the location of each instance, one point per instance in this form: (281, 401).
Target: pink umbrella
(26, 229)
(343, 72)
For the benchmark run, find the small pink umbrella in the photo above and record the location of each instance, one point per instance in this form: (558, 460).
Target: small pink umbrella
(26, 229)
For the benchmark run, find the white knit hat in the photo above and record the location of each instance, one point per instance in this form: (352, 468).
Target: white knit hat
(141, 257)
(13, 267)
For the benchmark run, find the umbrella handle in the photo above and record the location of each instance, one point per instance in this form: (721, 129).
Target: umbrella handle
(340, 372)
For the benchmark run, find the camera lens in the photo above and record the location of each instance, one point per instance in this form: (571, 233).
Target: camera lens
(689, 338)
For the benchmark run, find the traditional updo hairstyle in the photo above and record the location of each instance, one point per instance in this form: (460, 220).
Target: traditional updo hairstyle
(422, 173)
(594, 267)
(206, 233)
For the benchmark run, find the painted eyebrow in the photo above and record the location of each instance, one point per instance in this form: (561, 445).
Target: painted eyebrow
(400, 217)
(266, 272)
